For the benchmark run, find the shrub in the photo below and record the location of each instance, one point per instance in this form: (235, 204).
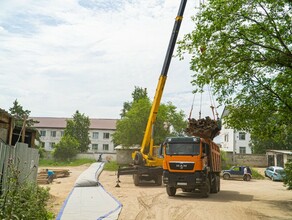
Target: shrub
(23, 200)
(288, 171)
(66, 149)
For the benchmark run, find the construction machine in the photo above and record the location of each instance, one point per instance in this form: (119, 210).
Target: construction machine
(147, 164)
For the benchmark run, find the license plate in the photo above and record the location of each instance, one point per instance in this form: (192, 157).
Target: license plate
(181, 184)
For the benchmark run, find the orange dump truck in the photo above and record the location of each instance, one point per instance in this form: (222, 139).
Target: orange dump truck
(192, 164)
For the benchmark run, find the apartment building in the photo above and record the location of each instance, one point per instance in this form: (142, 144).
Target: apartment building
(100, 133)
(232, 140)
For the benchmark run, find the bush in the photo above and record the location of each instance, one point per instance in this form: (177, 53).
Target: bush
(288, 171)
(23, 200)
(66, 149)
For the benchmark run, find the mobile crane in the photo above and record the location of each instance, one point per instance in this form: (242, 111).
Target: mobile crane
(147, 164)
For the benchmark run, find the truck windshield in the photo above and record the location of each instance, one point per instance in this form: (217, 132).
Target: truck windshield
(182, 149)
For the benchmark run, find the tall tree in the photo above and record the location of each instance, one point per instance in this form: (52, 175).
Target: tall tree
(242, 49)
(130, 129)
(20, 115)
(78, 128)
(138, 93)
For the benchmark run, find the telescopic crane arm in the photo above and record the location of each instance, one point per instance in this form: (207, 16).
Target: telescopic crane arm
(148, 142)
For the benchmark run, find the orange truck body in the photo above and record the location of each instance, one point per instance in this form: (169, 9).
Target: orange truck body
(192, 164)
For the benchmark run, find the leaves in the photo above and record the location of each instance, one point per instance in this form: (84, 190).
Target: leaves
(78, 128)
(130, 129)
(247, 60)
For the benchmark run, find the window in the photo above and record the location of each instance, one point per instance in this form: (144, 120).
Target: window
(241, 135)
(105, 146)
(94, 146)
(62, 133)
(53, 133)
(51, 145)
(242, 150)
(226, 137)
(43, 133)
(105, 135)
(94, 135)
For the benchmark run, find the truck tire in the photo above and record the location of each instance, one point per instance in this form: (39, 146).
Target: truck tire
(226, 176)
(138, 160)
(215, 188)
(136, 179)
(170, 190)
(205, 190)
(247, 178)
(158, 180)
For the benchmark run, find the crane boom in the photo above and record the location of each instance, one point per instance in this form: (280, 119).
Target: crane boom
(147, 144)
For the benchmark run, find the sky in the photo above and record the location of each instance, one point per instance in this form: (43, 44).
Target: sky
(57, 57)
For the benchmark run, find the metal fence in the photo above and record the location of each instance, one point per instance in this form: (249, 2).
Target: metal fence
(22, 158)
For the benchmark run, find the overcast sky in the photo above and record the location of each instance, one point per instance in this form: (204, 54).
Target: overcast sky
(57, 57)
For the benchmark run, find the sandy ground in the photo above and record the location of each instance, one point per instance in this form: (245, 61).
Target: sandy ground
(257, 199)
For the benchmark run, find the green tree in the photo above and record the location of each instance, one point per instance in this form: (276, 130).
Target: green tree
(130, 129)
(137, 94)
(288, 171)
(66, 149)
(78, 128)
(20, 115)
(242, 49)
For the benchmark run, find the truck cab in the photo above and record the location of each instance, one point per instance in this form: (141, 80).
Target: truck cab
(192, 164)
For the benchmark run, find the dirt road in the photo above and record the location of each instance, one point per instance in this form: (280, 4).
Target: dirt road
(257, 199)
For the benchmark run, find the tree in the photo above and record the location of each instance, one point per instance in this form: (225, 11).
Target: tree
(130, 129)
(242, 49)
(137, 94)
(67, 148)
(78, 128)
(20, 115)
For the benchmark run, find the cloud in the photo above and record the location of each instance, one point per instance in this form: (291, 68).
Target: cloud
(88, 55)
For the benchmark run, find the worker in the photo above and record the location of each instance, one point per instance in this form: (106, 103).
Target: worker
(51, 175)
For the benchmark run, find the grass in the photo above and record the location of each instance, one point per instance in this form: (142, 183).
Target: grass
(256, 175)
(109, 166)
(54, 163)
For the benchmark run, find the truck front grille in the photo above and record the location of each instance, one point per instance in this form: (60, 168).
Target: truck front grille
(181, 165)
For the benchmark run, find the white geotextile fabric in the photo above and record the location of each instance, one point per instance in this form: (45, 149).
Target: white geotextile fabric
(90, 176)
(90, 203)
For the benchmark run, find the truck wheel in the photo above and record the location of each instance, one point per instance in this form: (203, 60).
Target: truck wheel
(138, 160)
(171, 190)
(158, 180)
(226, 176)
(136, 179)
(205, 190)
(215, 188)
(247, 178)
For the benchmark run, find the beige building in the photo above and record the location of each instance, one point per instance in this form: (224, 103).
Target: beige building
(100, 133)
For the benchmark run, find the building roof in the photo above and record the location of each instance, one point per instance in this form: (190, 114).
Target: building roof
(281, 151)
(51, 122)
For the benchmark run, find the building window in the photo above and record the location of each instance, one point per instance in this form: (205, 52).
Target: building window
(241, 135)
(242, 150)
(62, 133)
(51, 145)
(226, 137)
(53, 133)
(105, 146)
(95, 147)
(43, 133)
(105, 135)
(94, 135)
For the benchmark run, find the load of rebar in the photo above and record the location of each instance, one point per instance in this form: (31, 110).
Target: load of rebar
(204, 128)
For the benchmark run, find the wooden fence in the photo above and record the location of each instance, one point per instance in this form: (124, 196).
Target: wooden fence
(22, 158)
